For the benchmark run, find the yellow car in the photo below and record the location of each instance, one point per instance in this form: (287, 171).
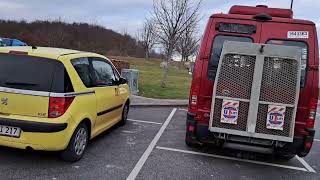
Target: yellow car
(57, 99)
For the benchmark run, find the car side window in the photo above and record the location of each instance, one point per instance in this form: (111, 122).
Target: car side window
(82, 66)
(103, 73)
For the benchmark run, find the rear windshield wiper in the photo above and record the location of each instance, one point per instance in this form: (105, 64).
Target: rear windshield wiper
(20, 84)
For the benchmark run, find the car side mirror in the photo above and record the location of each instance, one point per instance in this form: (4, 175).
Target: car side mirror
(122, 81)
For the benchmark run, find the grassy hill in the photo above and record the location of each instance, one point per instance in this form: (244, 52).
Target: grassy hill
(80, 36)
(151, 74)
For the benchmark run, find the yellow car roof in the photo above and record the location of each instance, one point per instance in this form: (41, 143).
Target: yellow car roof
(46, 52)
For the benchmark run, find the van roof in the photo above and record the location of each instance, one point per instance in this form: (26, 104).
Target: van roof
(248, 12)
(46, 52)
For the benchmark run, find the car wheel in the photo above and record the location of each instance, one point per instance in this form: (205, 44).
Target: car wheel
(77, 145)
(124, 116)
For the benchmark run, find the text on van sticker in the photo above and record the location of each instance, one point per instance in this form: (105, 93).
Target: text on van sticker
(298, 34)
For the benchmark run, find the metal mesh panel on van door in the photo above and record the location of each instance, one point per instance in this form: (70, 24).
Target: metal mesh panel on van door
(236, 74)
(234, 81)
(261, 122)
(279, 80)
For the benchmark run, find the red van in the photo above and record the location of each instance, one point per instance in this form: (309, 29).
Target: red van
(266, 26)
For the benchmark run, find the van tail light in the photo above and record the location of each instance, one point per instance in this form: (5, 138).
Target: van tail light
(58, 106)
(191, 128)
(308, 145)
(312, 114)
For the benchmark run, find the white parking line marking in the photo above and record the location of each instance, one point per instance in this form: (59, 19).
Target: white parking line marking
(181, 109)
(305, 164)
(317, 140)
(151, 146)
(149, 122)
(232, 158)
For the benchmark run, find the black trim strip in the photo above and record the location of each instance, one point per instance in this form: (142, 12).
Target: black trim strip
(109, 110)
(29, 126)
(78, 94)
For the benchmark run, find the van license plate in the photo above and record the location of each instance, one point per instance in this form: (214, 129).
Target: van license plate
(9, 131)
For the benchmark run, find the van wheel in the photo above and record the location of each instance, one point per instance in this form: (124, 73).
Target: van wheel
(124, 116)
(285, 153)
(192, 143)
(77, 145)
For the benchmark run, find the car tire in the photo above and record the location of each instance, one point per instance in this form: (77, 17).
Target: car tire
(77, 145)
(124, 115)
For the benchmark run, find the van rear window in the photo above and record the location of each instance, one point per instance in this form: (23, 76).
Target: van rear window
(33, 73)
(216, 52)
(236, 28)
(304, 55)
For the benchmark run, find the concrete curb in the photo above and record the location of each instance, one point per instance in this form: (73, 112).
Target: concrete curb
(158, 105)
(139, 101)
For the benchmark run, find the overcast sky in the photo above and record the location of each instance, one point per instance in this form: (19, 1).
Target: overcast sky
(129, 14)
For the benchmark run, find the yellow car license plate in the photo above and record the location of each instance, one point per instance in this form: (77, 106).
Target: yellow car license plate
(9, 131)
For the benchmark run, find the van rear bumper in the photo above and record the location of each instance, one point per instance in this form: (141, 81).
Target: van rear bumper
(29, 126)
(201, 134)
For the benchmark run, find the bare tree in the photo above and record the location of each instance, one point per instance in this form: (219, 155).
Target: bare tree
(188, 43)
(172, 18)
(124, 45)
(147, 37)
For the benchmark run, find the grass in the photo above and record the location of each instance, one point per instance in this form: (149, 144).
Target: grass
(150, 76)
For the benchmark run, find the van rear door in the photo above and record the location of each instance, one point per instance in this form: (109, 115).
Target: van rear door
(303, 36)
(26, 82)
(222, 30)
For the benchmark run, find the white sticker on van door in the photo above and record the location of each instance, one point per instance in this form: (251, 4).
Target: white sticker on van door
(229, 112)
(275, 117)
(298, 34)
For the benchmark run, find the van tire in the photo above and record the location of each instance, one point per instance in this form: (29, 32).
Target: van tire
(285, 156)
(80, 137)
(124, 115)
(192, 143)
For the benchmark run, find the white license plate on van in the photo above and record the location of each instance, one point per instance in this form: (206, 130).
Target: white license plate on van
(9, 131)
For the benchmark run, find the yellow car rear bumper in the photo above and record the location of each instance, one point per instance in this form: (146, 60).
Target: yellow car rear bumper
(39, 135)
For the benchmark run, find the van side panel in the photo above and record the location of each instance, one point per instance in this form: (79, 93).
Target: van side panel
(198, 68)
(316, 65)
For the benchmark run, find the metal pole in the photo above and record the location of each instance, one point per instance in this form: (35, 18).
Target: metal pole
(291, 4)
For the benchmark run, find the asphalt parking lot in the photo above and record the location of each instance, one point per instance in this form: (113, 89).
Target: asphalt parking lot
(151, 146)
